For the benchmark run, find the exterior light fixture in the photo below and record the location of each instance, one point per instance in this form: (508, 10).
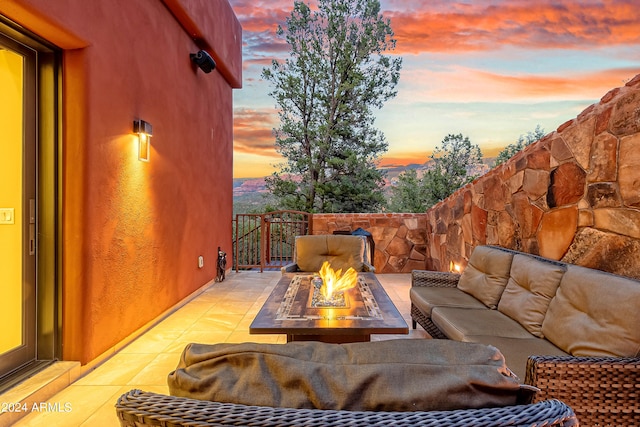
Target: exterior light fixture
(144, 131)
(454, 268)
(203, 60)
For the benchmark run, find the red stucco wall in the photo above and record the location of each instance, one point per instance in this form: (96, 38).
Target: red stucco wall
(133, 231)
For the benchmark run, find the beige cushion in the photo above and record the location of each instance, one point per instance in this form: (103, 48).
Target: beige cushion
(486, 274)
(342, 251)
(529, 290)
(427, 297)
(458, 323)
(516, 351)
(394, 375)
(595, 314)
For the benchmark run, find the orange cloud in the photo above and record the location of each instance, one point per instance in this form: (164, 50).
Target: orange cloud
(252, 131)
(260, 62)
(403, 159)
(449, 27)
(444, 26)
(571, 86)
(261, 15)
(462, 84)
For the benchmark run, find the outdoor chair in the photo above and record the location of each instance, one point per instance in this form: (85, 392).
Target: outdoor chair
(341, 251)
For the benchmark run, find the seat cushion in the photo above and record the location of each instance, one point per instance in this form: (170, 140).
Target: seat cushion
(595, 314)
(425, 298)
(395, 375)
(486, 274)
(516, 351)
(341, 251)
(532, 284)
(458, 323)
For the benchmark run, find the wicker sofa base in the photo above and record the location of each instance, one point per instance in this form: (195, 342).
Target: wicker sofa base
(138, 408)
(418, 316)
(603, 391)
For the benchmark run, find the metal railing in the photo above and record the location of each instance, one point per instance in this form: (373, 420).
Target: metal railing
(266, 241)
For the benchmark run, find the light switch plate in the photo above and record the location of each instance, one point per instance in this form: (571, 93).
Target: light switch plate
(7, 216)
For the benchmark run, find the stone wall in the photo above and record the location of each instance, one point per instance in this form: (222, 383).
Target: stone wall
(400, 239)
(574, 196)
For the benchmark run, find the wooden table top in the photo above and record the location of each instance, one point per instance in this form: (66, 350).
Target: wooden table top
(288, 310)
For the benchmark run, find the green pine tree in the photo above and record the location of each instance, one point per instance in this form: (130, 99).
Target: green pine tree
(451, 165)
(325, 94)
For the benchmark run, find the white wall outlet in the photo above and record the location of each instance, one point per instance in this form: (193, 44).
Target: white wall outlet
(7, 216)
(200, 261)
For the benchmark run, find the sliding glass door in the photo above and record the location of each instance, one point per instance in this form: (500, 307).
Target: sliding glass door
(18, 209)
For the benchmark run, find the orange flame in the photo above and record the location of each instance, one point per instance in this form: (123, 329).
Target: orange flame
(334, 281)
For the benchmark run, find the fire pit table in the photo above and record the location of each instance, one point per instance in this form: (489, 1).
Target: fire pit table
(291, 309)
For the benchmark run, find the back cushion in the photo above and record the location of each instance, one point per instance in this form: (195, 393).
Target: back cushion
(393, 375)
(486, 274)
(529, 290)
(595, 314)
(342, 251)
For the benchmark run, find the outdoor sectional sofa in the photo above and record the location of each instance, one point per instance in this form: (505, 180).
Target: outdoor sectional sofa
(571, 331)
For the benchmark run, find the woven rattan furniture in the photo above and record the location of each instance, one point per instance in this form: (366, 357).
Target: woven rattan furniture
(138, 408)
(603, 391)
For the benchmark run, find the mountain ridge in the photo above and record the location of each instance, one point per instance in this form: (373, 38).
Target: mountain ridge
(257, 185)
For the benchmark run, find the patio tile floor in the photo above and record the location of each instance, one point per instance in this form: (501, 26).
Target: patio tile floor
(222, 313)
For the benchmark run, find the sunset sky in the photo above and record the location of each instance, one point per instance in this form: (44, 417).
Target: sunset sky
(491, 70)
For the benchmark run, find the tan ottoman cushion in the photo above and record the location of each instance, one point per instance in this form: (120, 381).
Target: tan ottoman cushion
(395, 375)
(516, 351)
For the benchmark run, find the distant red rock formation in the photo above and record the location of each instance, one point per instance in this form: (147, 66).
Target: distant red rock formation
(256, 185)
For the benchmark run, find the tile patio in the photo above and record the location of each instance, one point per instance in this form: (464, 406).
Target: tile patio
(221, 313)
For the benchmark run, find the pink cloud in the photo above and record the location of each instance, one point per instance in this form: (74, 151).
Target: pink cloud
(261, 15)
(252, 131)
(461, 84)
(564, 87)
(443, 27)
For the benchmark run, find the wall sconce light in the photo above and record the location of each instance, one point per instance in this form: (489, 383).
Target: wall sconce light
(144, 131)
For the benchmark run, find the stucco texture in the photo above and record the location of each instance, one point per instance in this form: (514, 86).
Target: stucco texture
(132, 230)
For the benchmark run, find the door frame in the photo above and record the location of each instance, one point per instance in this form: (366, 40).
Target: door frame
(47, 125)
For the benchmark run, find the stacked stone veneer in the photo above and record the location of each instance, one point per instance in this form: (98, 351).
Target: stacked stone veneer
(574, 195)
(400, 239)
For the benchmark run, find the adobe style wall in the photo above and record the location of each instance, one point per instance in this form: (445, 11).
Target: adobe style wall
(400, 239)
(132, 231)
(572, 196)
